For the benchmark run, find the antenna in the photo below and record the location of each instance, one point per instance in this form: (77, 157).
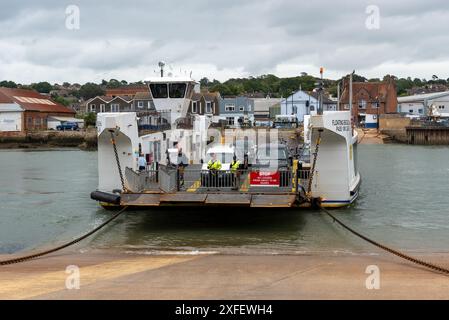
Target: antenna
(161, 65)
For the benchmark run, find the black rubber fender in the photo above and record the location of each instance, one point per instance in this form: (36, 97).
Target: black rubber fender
(105, 197)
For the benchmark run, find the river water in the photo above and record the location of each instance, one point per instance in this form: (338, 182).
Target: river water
(404, 202)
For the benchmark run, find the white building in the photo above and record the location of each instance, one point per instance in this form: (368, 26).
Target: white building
(299, 103)
(302, 103)
(418, 105)
(11, 115)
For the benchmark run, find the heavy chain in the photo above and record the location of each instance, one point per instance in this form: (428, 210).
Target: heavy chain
(312, 170)
(40, 254)
(119, 167)
(383, 247)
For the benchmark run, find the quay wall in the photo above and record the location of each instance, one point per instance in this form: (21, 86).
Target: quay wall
(428, 135)
(84, 139)
(394, 126)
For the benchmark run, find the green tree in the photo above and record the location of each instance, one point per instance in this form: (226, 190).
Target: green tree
(113, 83)
(8, 84)
(90, 119)
(90, 90)
(42, 87)
(61, 100)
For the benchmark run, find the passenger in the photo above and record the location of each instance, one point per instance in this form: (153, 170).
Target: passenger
(235, 166)
(214, 164)
(142, 163)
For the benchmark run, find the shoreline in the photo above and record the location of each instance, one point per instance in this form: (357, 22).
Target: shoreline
(114, 275)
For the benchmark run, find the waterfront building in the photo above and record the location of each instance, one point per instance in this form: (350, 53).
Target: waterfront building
(262, 110)
(418, 105)
(369, 100)
(237, 110)
(23, 110)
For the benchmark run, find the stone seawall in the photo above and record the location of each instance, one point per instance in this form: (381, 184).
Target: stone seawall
(83, 139)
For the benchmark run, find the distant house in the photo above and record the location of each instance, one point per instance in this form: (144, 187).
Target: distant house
(328, 104)
(110, 104)
(299, 103)
(207, 103)
(234, 110)
(418, 105)
(23, 110)
(369, 100)
(262, 109)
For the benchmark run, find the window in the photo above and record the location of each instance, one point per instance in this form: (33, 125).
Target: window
(295, 109)
(177, 90)
(346, 106)
(93, 108)
(375, 104)
(140, 104)
(194, 107)
(242, 108)
(229, 107)
(410, 111)
(421, 111)
(159, 90)
(102, 108)
(115, 107)
(37, 121)
(362, 104)
(208, 107)
(230, 121)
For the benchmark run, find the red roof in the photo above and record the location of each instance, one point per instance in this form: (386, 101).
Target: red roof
(126, 91)
(31, 100)
(4, 99)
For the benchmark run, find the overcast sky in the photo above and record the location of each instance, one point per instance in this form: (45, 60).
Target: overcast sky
(221, 39)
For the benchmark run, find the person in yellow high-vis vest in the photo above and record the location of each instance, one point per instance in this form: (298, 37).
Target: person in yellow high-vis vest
(214, 163)
(235, 166)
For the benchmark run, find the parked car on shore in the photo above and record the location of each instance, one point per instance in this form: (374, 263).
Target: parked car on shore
(73, 126)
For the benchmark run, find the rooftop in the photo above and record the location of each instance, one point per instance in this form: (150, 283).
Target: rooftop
(425, 96)
(31, 100)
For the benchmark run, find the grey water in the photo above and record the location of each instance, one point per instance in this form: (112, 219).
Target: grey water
(403, 202)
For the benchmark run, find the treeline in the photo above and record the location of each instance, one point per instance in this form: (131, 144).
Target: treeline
(283, 87)
(268, 84)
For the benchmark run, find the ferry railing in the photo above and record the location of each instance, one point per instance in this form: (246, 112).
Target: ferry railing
(138, 181)
(198, 180)
(193, 179)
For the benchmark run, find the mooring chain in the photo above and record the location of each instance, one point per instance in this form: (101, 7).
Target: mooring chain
(117, 160)
(383, 247)
(40, 254)
(312, 170)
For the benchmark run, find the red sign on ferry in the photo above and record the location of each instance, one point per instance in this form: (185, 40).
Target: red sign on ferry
(261, 178)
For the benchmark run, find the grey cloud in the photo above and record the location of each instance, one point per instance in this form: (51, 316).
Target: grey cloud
(253, 36)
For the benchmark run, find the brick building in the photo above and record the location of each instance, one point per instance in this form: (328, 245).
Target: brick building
(27, 110)
(369, 100)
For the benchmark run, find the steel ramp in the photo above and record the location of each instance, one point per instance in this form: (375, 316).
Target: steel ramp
(273, 200)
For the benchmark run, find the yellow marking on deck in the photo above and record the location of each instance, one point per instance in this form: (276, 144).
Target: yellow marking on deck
(16, 284)
(245, 184)
(294, 170)
(194, 186)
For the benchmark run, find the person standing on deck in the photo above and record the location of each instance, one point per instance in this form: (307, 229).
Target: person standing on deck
(214, 165)
(142, 163)
(235, 166)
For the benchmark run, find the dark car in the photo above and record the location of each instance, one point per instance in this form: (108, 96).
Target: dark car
(273, 156)
(68, 126)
